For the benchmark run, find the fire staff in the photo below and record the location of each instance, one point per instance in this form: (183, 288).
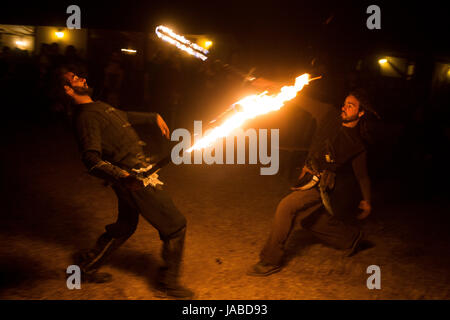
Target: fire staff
(111, 149)
(337, 161)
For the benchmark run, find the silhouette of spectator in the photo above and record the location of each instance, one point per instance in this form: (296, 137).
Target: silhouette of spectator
(56, 58)
(72, 58)
(43, 60)
(113, 78)
(5, 60)
(165, 81)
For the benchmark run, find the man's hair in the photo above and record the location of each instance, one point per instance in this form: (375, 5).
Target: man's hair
(61, 78)
(365, 105)
(364, 101)
(64, 101)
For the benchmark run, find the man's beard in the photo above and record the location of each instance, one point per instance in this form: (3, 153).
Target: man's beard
(351, 119)
(83, 91)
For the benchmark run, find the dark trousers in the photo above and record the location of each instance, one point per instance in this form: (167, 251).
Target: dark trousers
(157, 207)
(154, 204)
(308, 208)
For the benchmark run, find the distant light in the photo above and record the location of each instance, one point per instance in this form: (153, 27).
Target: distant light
(128, 50)
(410, 70)
(382, 61)
(21, 43)
(59, 34)
(208, 44)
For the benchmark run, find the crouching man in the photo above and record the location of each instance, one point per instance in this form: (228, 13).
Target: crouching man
(339, 183)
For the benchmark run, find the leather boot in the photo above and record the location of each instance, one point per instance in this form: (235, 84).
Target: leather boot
(91, 260)
(168, 275)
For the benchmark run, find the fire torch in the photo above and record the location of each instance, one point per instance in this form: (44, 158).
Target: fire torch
(166, 34)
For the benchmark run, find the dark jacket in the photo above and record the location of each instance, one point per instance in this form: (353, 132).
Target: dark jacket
(341, 151)
(107, 141)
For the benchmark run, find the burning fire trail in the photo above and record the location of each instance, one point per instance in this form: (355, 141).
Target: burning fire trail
(197, 51)
(247, 108)
(251, 107)
(181, 42)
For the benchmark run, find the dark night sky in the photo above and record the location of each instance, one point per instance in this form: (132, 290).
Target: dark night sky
(412, 25)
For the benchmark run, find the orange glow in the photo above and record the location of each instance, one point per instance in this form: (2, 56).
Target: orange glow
(21, 43)
(251, 107)
(208, 44)
(59, 34)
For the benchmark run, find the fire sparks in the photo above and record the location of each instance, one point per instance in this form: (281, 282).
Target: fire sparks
(251, 107)
(181, 42)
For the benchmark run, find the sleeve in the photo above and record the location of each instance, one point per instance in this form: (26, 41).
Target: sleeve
(325, 116)
(102, 169)
(137, 118)
(88, 129)
(359, 164)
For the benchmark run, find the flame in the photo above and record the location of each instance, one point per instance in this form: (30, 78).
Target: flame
(251, 107)
(181, 42)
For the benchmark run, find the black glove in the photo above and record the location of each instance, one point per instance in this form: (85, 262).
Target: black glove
(132, 183)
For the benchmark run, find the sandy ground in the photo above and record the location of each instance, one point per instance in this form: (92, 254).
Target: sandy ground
(53, 208)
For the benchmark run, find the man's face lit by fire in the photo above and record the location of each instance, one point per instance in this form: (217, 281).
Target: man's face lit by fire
(350, 110)
(77, 84)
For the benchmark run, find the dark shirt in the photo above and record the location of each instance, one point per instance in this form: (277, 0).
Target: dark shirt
(351, 157)
(347, 143)
(107, 141)
(345, 147)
